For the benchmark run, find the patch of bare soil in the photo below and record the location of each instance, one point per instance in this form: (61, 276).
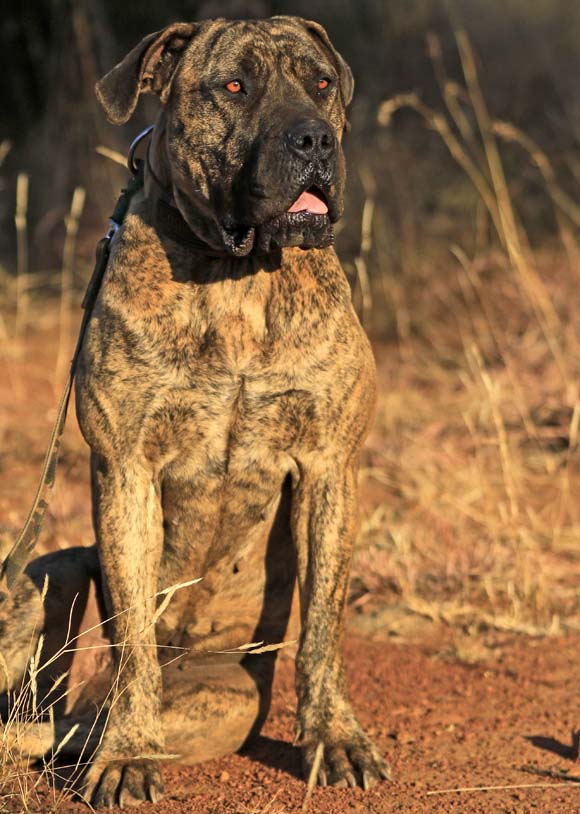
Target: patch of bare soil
(443, 723)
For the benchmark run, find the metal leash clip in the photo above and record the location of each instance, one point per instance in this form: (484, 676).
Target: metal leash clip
(131, 163)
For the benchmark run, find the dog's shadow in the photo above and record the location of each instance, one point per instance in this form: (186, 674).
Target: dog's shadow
(556, 747)
(274, 753)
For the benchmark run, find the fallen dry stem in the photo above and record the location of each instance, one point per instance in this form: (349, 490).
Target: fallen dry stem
(499, 788)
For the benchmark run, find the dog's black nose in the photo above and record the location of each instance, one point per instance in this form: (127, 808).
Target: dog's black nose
(311, 139)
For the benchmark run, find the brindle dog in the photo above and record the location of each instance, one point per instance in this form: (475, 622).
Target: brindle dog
(225, 388)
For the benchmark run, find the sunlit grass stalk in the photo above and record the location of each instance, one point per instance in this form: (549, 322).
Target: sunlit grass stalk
(5, 147)
(361, 260)
(496, 196)
(21, 223)
(563, 202)
(506, 463)
(450, 93)
(27, 713)
(501, 343)
(113, 155)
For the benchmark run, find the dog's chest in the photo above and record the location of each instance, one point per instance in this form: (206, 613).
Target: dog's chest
(238, 379)
(213, 381)
(227, 425)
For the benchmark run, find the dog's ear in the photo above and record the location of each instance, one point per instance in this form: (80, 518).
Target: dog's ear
(148, 68)
(344, 72)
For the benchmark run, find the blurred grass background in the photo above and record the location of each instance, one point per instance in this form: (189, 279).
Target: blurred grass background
(460, 241)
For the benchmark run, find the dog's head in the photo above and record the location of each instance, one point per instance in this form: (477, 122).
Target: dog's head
(254, 113)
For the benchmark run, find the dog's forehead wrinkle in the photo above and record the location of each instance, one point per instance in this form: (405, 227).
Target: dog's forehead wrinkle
(234, 44)
(242, 62)
(253, 47)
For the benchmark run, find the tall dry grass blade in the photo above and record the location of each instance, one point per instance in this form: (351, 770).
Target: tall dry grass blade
(115, 692)
(21, 223)
(450, 93)
(506, 462)
(439, 123)
(65, 740)
(361, 261)
(167, 594)
(33, 670)
(363, 280)
(113, 155)
(509, 132)
(520, 259)
(44, 590)
(566, 496)
(564, 206)
(25, 729)
(256, 648)
(366, 242)
(66, 279)
(5, 147)
(502, 344)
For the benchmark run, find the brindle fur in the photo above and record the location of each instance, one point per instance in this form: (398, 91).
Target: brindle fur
(225, 399)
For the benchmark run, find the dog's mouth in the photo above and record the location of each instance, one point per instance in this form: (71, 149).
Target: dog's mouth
(240, 240)
(312, 201)
(306, 223)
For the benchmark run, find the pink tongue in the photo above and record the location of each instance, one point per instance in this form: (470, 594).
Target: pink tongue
(308, 202)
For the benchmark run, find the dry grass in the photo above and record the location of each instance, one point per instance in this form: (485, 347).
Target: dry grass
(475, 455)
(29, 729)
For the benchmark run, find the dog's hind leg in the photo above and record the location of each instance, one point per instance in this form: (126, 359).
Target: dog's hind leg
(211, 707)
(57, 596)
(209, 710)
(51, 642)
(211, 704)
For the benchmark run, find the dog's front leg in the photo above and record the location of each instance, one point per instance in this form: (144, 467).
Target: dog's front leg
(129, 529)
(324, 519)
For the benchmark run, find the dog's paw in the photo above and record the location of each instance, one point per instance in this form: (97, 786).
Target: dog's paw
(353, 761)
(125, 782)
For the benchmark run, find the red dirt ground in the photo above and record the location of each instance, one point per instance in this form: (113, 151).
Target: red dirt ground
(443, 724)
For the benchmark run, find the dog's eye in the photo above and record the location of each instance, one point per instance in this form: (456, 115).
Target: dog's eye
(235, 86)
(323, 83)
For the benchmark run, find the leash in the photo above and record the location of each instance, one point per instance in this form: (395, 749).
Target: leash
(17, 558)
